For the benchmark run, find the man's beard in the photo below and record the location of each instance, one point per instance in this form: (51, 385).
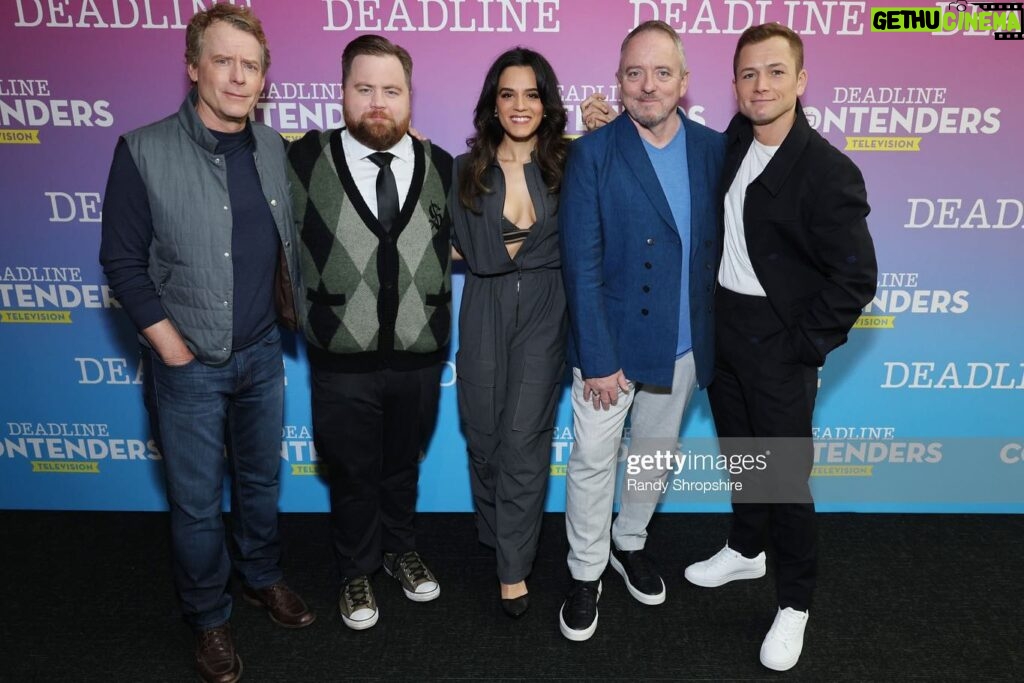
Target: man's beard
(376, 132)
(648, 121)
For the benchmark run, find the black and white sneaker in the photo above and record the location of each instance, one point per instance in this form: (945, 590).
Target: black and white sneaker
(418, 582)
(356, 603)
(578, 617)
(642, 580)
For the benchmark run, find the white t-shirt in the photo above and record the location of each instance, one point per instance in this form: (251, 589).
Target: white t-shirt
(736, 272)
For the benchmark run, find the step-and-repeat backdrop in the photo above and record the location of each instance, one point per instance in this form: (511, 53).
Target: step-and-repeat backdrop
(921, 410)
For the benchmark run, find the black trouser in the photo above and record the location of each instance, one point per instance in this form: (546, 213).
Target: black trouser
(762, 400)
(369, 429)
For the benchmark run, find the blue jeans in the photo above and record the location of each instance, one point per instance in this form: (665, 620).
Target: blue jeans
(200, 414)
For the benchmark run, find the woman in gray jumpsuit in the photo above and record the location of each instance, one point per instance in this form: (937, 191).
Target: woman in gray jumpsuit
(512, 325)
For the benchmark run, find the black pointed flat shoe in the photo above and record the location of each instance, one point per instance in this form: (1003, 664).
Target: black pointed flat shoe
(516, 607)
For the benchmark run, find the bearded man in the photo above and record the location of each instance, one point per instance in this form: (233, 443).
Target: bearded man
(375, 264)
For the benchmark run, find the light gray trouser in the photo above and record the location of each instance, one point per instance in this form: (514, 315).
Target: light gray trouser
(590, 477)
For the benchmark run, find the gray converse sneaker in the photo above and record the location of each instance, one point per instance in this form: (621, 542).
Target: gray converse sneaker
(357, 605)
(417, 581)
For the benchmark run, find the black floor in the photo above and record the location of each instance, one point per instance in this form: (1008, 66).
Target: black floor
(88, 597)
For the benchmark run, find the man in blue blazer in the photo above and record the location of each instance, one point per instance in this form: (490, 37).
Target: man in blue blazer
(638, 221)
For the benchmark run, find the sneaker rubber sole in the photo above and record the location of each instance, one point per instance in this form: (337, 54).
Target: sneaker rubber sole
(361, 624)
(414, 596)
(639, 595)
(779, 665)
(581, 634)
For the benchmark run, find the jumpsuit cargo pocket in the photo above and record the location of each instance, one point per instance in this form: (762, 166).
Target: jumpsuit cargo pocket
(475, 380)
(538, 393)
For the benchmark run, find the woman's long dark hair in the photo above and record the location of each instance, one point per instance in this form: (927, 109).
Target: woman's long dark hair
(551, 145)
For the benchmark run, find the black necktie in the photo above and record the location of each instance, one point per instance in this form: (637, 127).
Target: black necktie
(387, 190)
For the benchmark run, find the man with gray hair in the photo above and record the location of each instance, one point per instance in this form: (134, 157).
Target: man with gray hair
(638, 222)
(197, 246)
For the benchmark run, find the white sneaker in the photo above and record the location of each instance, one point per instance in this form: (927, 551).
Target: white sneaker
(724, 566)
(781, 647)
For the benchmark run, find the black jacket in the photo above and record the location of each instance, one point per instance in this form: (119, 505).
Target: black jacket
(806, 234)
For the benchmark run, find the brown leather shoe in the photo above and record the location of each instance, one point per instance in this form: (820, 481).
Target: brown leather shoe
(285, 606)
(216, 660)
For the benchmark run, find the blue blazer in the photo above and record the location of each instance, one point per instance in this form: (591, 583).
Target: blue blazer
(621, 254)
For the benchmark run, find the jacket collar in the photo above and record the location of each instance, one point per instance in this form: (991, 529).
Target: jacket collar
(639, 162)
(740, 135)
(189, 119)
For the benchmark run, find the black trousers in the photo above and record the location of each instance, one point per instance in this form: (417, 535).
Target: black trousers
(762, 400)
(370, 429)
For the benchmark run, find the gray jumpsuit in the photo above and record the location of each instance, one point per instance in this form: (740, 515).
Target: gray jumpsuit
(510, 365)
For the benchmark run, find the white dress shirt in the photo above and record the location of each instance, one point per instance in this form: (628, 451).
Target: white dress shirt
(364, 172)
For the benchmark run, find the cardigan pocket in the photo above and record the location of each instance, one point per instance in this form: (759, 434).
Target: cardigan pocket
(321, 297)
(438, 299)
(323, 319)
